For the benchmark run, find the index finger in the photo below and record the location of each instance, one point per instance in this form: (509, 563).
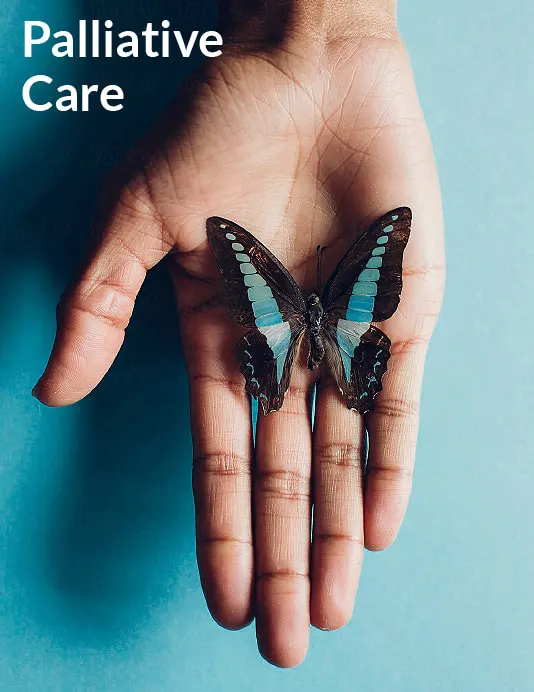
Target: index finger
(221, 427)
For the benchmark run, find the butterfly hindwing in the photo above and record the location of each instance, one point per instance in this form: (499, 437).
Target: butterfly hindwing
(263, 297)
(359, 377)
(268, 374)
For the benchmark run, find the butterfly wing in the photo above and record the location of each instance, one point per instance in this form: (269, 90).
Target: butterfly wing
(267, 368)
(373, 267)
(263, 297)
(365, 288)
(359, 376)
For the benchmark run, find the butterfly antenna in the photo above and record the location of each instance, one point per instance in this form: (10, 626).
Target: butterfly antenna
(320, 251)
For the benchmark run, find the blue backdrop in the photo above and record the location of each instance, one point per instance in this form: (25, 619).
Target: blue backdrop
(98, 581)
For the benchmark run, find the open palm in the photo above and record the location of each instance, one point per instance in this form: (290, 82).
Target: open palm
(301, 151)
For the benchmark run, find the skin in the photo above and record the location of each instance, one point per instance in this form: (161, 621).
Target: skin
(303, 143)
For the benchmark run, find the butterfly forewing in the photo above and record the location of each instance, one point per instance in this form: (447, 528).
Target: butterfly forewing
(249, 271)
(377, 252)
(365, 288)
(263, 297)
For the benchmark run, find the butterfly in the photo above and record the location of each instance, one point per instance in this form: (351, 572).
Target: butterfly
(262, 296)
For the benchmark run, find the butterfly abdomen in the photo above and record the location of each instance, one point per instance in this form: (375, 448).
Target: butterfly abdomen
(314, 320)
(316, 355)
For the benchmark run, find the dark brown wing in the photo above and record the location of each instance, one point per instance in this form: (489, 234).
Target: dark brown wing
(365, 288)
(262, 296)
(359, 377)
(369, 276)
(250, 271)
(268, 374)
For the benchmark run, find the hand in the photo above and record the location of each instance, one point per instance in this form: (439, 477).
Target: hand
(302, 144)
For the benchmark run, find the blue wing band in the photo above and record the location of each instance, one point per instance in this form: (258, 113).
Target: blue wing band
(267, 315)
(359, 313)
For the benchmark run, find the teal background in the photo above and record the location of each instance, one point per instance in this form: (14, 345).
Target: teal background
(98, 581)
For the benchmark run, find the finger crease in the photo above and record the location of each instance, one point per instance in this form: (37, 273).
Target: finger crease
(397, 408)
(130, 251)
(285, 574)
(338, 537)
(393, 472)
(233, 384)
(299, 392)
(114, 322)
(222, 464)
(117, 287)
(429, 269)
(287, 411)
(212, 540)
(339, 454)
(289, 485)
(413, 344)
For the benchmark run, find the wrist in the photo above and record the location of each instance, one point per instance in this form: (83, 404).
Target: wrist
(263, 24)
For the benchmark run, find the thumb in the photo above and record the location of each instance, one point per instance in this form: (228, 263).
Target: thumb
(94, 313)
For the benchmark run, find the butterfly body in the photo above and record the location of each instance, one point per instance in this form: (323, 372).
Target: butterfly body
(314, 323)
(263, 297)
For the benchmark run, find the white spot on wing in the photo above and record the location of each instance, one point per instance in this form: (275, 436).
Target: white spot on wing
(278, 337)
(348, 335)
(352, 331)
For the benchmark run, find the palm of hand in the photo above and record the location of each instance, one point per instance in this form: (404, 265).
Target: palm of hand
(300, 155)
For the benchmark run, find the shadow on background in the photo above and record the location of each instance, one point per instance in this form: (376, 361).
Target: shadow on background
(121, 522)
